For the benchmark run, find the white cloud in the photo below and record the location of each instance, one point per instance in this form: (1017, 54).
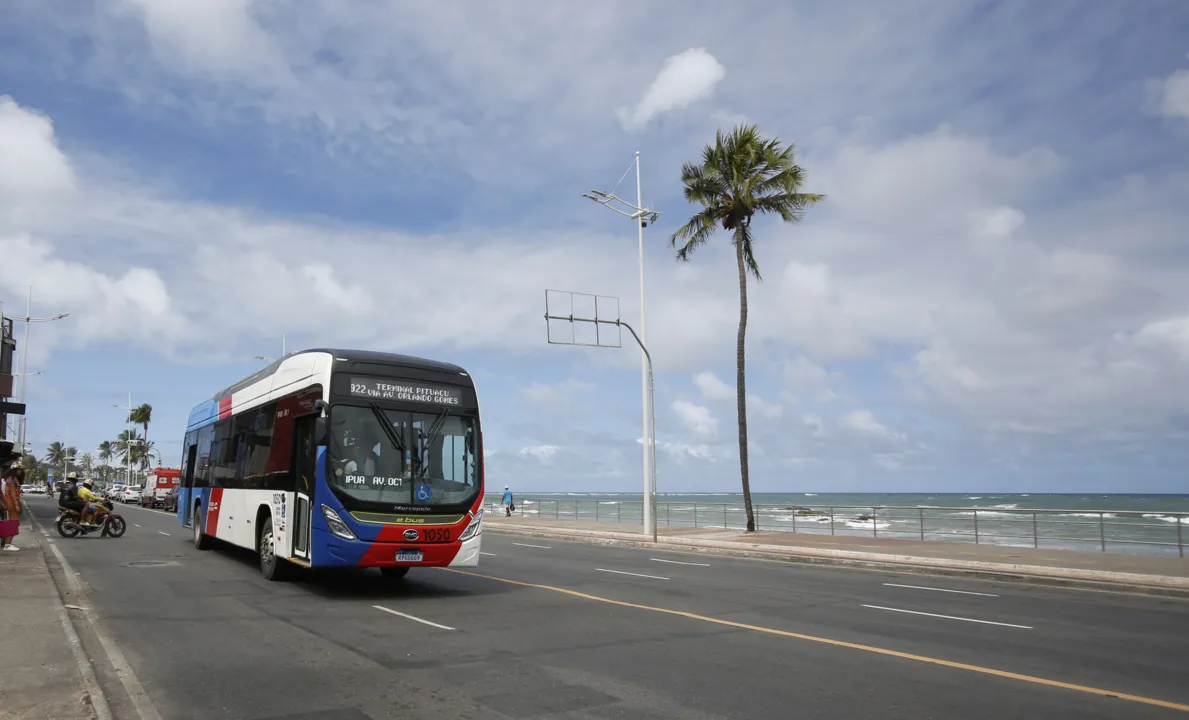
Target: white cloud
(543, 453)
(714, 389)
(209, 38)
(1175, 96)
(556, 396)
(697, 418)
(863, 421)
(32, 166)
(684, 79)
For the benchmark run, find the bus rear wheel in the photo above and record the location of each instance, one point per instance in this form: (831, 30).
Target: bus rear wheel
(271, 566)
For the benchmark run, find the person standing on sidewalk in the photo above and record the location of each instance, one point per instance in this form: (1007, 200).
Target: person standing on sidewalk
(11, 500)
(509, 506)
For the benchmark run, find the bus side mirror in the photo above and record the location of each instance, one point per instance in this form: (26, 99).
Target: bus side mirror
(321, 437)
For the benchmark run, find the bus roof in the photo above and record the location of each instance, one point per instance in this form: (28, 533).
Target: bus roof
(350, 356)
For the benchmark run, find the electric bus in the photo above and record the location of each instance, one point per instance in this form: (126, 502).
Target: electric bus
(339, 458)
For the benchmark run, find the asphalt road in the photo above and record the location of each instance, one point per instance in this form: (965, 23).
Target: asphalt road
(552, 629)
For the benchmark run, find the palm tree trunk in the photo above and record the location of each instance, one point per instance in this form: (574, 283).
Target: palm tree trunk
(741, 388)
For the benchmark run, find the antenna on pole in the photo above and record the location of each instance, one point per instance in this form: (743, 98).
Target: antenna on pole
(589, 313)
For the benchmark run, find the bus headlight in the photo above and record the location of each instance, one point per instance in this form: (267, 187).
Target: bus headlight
(474, 528)
(336, 524)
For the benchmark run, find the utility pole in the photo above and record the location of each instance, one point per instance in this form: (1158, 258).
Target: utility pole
(643, 216)
(611, 317)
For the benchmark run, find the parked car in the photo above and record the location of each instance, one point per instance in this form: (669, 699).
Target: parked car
(131, 495)
(170, 503)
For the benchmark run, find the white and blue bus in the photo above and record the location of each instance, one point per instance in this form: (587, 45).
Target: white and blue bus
(339, 458)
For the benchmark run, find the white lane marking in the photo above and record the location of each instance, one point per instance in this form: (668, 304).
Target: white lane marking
(141, 702)
(922, 587)
(486, 553)
(948, 617)
(678, 562)
(411, 617)
(621, 572)
(543, 547)
(137, 525)
(162, 532)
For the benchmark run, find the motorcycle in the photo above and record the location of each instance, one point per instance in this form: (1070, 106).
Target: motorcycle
(110, 523)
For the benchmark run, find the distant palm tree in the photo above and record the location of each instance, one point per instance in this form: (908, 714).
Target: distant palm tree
(55, 454)
(741, 175)
(106, 452)
(142, 415)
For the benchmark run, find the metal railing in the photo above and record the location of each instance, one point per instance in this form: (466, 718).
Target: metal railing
(1136, 531)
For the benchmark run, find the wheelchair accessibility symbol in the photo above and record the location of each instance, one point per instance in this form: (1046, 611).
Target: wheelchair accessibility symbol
(423, 493)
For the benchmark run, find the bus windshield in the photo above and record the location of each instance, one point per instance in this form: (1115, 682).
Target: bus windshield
(402, 457)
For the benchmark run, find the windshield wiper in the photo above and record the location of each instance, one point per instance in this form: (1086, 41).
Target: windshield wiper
(386, 426)
(434, 431)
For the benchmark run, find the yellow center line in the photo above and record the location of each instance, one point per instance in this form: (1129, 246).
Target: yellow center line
(842, 643)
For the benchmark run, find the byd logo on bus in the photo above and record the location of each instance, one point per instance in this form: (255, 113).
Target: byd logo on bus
(411, 534)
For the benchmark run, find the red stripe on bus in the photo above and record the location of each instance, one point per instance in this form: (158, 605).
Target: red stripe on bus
(225, 407)
(212, 511)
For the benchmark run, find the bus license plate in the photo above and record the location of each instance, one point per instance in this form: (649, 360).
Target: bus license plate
(409, 556)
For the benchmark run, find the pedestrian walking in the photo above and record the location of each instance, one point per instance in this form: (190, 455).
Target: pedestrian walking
(509, 506)
(10, 500)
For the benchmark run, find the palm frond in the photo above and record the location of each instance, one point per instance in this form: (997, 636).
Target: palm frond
(695, 232)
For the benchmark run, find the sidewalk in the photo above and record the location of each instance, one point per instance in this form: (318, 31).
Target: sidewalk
(39, 676)
(1146, 573)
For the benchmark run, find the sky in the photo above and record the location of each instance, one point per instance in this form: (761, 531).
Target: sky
(994, 294)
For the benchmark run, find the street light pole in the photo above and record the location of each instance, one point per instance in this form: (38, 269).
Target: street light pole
(29, 320)
(642, 216)
(645, 366)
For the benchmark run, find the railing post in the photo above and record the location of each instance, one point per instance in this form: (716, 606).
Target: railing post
(556, 509)
(667, 508)
(922, 511)
(1035, 532)
(794, 521)
(1102, 529)
(597, 510)
(1180, 542)
(976, 527)
(724, 515)
(695, 514)
(831, 520)
(875, 522)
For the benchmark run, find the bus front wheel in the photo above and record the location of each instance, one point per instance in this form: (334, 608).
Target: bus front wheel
(271, 566)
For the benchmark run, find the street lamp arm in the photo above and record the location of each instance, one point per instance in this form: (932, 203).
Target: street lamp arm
(28, 319)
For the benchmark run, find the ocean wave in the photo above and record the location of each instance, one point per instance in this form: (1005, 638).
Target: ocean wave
(868, 525)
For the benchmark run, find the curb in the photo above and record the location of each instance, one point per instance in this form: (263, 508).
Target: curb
(1080, 579)
(93, 694)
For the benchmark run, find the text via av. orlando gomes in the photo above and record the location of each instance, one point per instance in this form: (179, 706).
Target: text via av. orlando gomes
(406, 392)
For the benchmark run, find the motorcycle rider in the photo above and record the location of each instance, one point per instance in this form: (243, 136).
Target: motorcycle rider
(95, 505)
(68, 495)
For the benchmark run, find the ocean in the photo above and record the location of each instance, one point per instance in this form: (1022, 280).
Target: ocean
(1142, 524)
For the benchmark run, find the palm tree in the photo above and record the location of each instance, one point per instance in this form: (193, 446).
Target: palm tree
(106, 452)
(55, 454)
(741, 175)
(142, 415)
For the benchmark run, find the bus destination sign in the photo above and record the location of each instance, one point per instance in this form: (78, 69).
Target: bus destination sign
(400, 391)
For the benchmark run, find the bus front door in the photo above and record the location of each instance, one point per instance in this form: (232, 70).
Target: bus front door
(304, 460)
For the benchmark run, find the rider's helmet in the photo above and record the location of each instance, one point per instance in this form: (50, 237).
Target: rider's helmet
(72, 475)
(88, 483)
